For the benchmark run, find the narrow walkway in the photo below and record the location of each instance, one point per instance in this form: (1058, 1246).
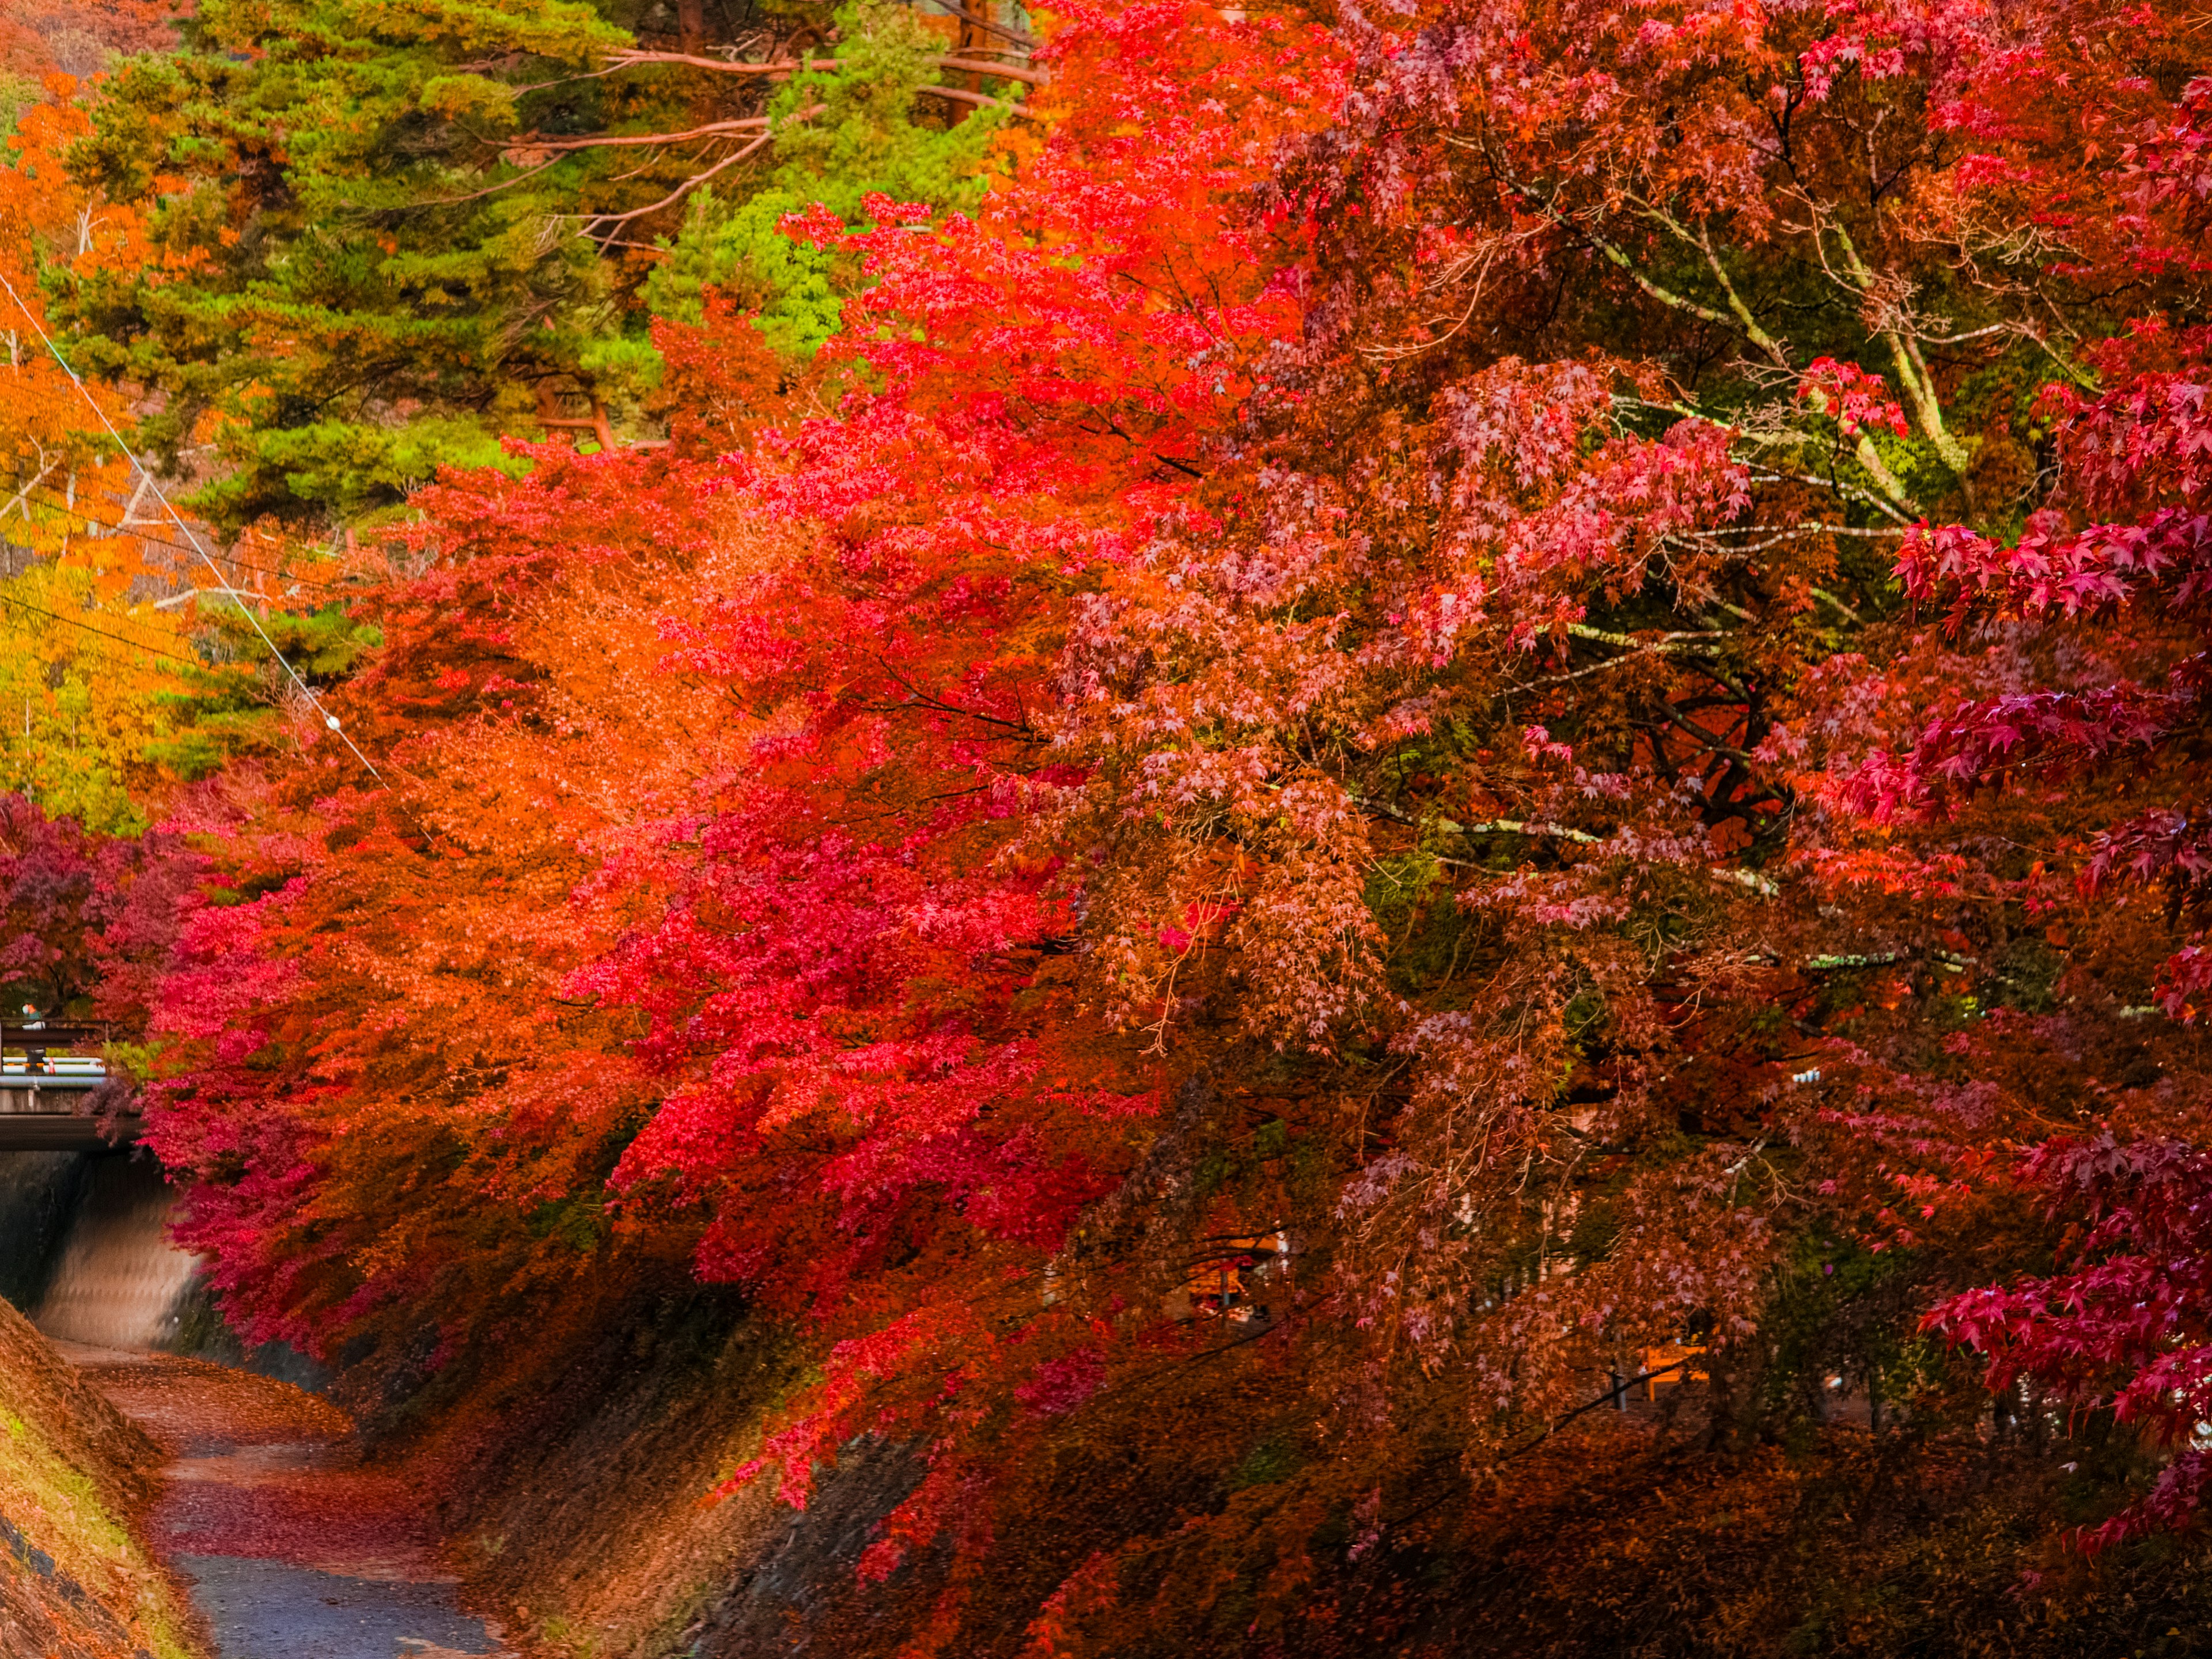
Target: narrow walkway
(294, 1549)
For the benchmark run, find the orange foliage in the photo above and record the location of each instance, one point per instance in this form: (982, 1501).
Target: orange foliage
(1270, 689)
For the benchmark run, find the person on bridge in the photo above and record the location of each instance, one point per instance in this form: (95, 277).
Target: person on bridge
(34, 1059)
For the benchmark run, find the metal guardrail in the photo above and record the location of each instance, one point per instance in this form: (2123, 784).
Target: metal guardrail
(42, 1092)
(63, 1072)
(52, 1049)
(17, 1035)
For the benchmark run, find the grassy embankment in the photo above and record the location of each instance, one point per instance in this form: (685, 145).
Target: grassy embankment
(76, 1581)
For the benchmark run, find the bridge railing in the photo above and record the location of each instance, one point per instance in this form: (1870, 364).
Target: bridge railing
(48, 1075)
(54, 1069)
(43, 1049)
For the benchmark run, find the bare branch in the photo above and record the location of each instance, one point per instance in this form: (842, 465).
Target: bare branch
(793, 65)
(748, 123)
(720, 65)
(597, 220)
(983, 100)
(1667, 644)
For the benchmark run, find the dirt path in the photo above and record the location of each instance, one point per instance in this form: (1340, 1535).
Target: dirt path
(295, 1551)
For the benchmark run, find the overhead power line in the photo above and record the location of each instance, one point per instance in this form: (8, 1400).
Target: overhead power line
(71, 621)
(184, 529)
(57, 503)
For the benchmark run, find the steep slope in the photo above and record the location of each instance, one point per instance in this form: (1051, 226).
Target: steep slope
(76, 1581)
(577, 1479)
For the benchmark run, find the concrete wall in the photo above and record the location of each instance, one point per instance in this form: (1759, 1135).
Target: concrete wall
(39, 1196)
(119, 1282)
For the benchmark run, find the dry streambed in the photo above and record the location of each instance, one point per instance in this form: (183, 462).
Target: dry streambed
(293, 1548)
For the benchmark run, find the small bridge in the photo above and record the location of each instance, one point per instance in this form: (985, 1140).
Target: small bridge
(46, 1079)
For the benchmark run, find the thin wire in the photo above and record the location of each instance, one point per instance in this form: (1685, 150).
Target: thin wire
(71, 621)
(53, 503)
(185, 530)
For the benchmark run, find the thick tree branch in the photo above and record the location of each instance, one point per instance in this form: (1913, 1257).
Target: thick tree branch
(792, 65)
(1027, 42)
(1912, 373)
(594, 221)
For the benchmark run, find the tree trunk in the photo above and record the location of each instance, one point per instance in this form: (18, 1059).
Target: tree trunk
(974, 38)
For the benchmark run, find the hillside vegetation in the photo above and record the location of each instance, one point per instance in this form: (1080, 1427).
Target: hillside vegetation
(1160, 829)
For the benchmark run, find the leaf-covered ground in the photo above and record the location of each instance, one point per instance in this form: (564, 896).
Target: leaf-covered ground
(293, 1546)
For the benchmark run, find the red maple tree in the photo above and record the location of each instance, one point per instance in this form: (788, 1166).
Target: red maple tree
(1312, 697)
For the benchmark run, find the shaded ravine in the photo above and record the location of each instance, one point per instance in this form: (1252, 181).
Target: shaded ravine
(295, 1549)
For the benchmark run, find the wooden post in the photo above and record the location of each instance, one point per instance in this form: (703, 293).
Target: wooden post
(975, 37)
(598, 425)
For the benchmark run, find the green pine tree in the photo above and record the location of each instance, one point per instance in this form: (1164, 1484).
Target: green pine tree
(874, 136)
(393, 234)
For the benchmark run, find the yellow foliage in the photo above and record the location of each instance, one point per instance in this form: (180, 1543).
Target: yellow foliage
(91, 673)
(84, 690)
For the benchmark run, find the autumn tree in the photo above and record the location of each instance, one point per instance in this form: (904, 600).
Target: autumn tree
(103, 676)
(1303, 695)
(2103, 598)
(86, 920)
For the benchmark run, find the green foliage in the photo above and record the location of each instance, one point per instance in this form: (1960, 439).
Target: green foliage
(578, 1221)
(1269, 1462)
(1397, 886)
(17, 94)
(352, 285)
(867, 139)
(351, 466)
(788, 284)
(376, 230)
(218, 715)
